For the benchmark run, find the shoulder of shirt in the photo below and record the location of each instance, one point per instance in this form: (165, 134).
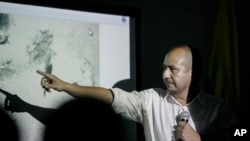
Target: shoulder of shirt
(160, 91)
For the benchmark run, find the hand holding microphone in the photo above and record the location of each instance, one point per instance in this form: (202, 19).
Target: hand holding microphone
(181, 120)
(184, 131)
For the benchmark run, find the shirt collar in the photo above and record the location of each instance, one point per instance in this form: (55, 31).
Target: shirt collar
(200, 98)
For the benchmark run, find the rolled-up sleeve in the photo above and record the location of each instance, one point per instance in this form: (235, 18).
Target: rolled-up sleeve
(130, 105)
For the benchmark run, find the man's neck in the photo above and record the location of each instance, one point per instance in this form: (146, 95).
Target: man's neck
(181, 98)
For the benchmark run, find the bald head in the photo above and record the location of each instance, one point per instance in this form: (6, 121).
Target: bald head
(192, 59)
(182, 52)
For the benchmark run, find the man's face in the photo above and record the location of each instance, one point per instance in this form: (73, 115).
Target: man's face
(176, 76)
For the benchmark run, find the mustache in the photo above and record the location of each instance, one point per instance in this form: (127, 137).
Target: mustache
(167, 81)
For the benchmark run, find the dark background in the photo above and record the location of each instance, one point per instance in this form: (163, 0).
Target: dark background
(162, 24)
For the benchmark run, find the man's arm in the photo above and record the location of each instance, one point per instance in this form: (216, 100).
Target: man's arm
(52, 82)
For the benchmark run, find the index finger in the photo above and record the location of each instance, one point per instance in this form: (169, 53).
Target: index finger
(44, 74)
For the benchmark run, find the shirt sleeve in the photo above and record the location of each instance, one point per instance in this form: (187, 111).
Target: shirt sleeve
(130, 105)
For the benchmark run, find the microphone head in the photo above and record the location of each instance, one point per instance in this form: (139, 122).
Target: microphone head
(183, 116)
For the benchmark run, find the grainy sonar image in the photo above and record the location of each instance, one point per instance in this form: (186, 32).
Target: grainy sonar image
(4, 25)
(67, 48)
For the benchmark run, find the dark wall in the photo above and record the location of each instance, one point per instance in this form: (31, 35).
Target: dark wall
(243, 28)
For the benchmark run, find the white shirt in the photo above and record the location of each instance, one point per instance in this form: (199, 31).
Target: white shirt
(156, 110)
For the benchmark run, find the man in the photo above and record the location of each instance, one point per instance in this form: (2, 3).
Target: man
(158, 110)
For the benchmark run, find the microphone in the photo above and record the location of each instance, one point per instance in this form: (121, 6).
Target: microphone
(183, 116)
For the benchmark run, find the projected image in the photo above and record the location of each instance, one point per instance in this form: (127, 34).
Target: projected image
(69, 49)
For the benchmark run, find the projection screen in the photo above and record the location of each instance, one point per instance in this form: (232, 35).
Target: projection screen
(85, 48)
